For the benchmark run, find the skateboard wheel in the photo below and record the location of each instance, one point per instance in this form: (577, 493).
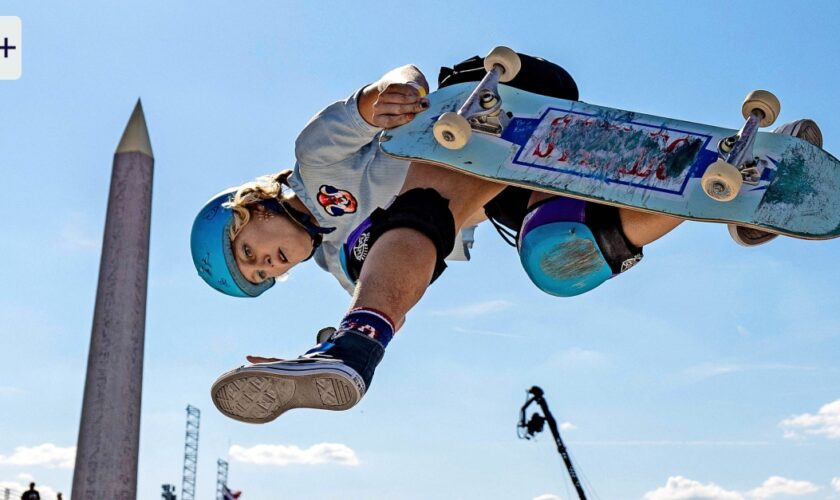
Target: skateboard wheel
(507, 59)
(452, 130)
(766, 102)
(721, 181)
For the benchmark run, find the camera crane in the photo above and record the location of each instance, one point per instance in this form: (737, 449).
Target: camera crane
(535, 425)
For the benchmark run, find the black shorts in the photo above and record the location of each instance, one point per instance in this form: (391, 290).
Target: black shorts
(536, 75)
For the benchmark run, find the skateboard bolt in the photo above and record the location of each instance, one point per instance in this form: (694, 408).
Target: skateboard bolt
(718, 188)
(447, 136)
(488, 100)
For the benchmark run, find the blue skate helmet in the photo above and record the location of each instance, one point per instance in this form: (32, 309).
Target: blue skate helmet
(212, 252)
(212, 249)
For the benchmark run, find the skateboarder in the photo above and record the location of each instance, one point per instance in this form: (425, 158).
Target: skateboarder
(329, 212)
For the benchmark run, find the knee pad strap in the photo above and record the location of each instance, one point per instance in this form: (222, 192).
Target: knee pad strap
(421, 209)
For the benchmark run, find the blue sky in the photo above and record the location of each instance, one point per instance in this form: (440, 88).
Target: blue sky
(709, 371)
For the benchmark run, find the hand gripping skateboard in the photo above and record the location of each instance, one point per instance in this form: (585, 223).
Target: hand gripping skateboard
(773, 182)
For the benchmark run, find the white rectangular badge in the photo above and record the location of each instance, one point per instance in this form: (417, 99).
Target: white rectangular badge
(10, 48)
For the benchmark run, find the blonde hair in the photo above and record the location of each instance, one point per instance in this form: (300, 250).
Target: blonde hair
(249, 194)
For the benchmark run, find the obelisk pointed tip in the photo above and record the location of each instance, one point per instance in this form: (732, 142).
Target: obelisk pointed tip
(135, 138)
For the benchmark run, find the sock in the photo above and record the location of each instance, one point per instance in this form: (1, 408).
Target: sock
(370, 322)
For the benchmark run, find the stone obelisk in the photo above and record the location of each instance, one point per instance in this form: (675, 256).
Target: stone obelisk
(109, 432)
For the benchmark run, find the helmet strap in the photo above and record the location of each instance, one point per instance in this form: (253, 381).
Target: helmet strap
(305, 221)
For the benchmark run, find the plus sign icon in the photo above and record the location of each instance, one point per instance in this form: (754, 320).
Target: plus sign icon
(10, 48)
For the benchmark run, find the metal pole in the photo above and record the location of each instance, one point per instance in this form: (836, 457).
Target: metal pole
(109, 431)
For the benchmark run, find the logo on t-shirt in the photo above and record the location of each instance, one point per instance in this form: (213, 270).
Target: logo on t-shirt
(336, 201)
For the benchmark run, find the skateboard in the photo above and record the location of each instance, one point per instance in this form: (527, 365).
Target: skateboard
(763, 180)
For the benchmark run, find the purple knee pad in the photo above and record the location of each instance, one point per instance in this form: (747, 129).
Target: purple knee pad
(558, 250)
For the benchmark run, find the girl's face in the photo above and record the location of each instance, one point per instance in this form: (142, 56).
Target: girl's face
(269, 245)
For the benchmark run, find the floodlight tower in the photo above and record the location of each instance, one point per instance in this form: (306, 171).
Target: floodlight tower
(190, 453)
(221, 478)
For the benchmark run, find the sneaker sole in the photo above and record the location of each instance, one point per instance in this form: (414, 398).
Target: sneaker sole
(811, 135)
(805, 129)
(259, 394)
(733, 233)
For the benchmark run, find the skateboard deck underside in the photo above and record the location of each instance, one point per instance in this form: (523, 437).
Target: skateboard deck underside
(634, 160)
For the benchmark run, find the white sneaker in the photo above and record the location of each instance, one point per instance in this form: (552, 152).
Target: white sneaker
(333, 375)
(804, 129)
(749, 237)
(261, 392)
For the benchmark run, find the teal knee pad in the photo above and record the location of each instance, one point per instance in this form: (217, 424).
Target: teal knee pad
(563, 258)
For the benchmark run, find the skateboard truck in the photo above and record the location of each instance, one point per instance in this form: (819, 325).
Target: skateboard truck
(736, 164)
(482, 110)
(485, 113)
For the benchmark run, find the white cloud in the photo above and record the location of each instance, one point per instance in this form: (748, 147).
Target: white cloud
(267, 454)
(567, 426)
(47, 454)
(473, 310)
(781, 486)
(548, 496)
(681, 488)
(826, 422)
(835, 483)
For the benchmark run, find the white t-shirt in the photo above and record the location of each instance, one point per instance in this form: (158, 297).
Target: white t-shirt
(342, 176)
